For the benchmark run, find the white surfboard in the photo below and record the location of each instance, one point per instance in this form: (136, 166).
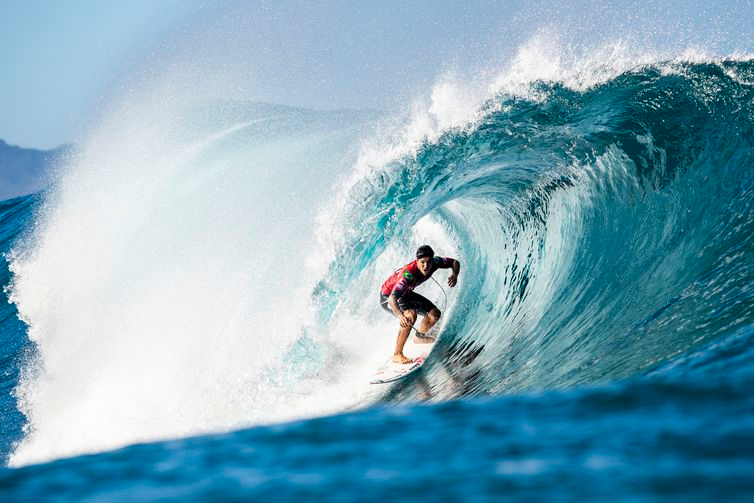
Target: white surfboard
(391, 371)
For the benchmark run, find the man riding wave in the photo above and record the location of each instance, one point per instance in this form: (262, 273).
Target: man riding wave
(397, 297)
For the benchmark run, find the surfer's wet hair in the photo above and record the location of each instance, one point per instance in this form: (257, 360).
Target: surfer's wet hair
(425, 251)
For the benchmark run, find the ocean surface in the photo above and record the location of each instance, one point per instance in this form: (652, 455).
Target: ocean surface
(193, 304)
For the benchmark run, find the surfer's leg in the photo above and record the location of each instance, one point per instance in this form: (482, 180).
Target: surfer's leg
(398, 356)
(429, 321)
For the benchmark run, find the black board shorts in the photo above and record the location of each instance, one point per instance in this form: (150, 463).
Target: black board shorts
(410, 300)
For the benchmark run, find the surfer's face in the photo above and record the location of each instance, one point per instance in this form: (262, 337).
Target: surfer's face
(424, 264)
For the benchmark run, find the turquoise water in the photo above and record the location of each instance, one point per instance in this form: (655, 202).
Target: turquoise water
(598, 345)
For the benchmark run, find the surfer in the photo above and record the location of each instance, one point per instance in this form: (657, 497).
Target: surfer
(398, 298)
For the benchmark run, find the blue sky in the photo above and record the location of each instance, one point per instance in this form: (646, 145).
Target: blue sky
(58, 55)
(60, 60)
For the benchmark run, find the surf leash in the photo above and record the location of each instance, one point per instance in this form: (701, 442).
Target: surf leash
(443, 292)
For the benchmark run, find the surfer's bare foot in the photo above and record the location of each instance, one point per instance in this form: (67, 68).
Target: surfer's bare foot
(402, 359)
(423, 338)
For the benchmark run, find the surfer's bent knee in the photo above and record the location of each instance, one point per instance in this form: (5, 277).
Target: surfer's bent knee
(435, 313)
(411, 315)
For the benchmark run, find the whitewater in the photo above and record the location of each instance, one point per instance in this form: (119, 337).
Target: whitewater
(199, 289)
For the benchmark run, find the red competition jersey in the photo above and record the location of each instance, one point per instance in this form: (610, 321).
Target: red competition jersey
(408, 277)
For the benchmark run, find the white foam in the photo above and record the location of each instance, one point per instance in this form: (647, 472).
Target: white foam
(164, 285)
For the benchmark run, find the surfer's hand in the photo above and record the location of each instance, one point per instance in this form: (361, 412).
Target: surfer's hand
(452, 279)
(405, 322)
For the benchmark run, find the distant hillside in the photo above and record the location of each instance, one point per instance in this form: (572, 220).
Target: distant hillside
(22, 169)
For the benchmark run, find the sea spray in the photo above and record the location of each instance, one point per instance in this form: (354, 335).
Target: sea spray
(166, 279)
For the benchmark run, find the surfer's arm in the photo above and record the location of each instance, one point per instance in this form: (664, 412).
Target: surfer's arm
(393, 303)
(398, 290)
(453, 278)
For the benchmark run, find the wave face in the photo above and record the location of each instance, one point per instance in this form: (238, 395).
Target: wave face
(601, 231)
(212, 279)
